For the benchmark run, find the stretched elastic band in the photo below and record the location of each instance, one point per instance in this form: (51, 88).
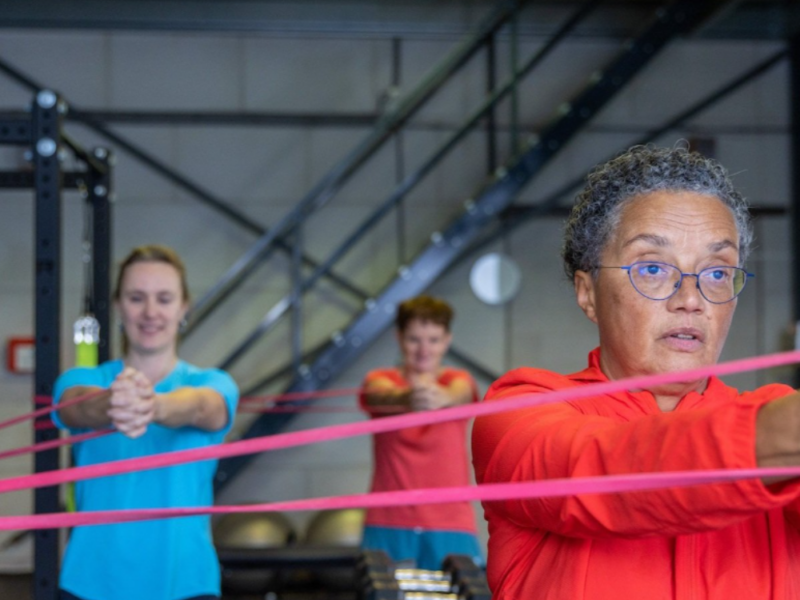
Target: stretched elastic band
(486, 493)
(50, 444)
(385, 424)
(49, 407)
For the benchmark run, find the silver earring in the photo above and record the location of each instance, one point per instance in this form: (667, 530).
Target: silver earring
(120, 325)
(182, 325)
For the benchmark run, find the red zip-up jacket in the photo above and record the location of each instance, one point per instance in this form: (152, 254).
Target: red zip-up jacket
(716, 542)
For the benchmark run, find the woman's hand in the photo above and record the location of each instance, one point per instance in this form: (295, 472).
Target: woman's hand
(132, 403)
(426, 394)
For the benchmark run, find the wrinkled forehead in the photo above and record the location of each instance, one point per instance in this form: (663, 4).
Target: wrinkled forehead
(665, 218)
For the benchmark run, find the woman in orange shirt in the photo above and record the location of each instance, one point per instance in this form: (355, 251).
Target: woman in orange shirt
(421, 457)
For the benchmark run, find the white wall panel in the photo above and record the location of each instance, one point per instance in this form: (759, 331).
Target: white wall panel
(315, 75)
(74, 64)
(179, 71)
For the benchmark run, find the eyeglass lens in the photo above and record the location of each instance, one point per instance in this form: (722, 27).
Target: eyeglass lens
(659, 281)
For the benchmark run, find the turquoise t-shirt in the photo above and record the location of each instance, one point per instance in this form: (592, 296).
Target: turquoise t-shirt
(167, 559)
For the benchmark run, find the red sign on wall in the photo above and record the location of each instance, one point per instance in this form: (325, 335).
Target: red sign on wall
(21, 355)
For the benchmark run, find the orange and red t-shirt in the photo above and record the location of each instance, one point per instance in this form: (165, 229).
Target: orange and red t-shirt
(730, 541)
(421, 457)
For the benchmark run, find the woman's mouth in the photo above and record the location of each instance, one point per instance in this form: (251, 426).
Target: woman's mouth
(685, 339)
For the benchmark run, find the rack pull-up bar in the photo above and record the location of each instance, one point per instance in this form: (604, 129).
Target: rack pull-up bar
(46, 119)
(42, 131)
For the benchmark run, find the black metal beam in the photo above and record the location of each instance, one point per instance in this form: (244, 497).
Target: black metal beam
(46, 118)
(385, 19)
(333, 181)
(99, 192)
(491, 120)
(27, 179)
(761, 19)
(447, 246)
(794, 107)
(15, 130)
(226, 118)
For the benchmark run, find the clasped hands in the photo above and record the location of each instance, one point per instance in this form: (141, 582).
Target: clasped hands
(426, 394)
(132, 404)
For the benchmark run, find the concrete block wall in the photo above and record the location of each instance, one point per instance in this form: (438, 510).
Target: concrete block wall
(264, 172)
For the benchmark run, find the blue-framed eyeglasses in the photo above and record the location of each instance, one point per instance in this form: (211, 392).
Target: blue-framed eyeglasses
(659, 281)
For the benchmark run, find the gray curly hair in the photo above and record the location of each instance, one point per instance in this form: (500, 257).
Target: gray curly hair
(641, 170)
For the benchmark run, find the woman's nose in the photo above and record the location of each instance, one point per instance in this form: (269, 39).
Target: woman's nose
(688, 294)
(149, 308)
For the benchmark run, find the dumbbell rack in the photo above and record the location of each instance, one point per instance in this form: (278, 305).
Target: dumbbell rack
(459, 579)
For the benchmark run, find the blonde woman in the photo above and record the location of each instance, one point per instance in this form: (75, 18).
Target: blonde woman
(158, 403)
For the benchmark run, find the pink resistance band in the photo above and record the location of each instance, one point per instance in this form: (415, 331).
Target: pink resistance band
(57, 443)
(47, 401)
(76, 439)
(336, 432)
(490, 492)
(82, 437)
(49, 407)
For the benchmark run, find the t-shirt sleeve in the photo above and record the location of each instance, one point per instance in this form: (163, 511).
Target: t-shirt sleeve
(362, 395)
(222, 383)
(81, 376)
(374, 375)
(454, 374)
(558, 441)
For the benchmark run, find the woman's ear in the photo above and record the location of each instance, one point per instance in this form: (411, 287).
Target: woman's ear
(448, 339)
(117, 312)
(585, 293)
(183, 323)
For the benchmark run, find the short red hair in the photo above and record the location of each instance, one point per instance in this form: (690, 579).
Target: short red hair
(424, 308)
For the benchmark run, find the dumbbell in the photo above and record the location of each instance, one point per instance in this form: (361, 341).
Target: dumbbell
(421, 580)
(375, 572)
(469, 580)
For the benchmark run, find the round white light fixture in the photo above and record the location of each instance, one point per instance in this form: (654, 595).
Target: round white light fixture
(495, 278)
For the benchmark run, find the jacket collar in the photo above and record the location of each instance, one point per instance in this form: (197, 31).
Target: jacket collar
(715, 389)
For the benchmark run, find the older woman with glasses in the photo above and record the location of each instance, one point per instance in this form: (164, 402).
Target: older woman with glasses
(655, 246)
